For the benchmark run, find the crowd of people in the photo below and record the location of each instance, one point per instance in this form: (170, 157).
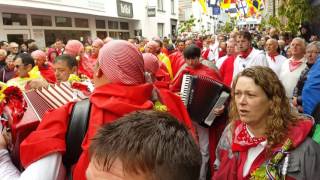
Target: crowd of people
(139, 128)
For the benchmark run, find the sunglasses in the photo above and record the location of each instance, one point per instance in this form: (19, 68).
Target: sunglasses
(17, 66)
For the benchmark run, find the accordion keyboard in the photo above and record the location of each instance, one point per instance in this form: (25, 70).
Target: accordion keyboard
(185, 89)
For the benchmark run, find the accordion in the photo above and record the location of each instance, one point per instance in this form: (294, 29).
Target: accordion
(201, 95)
(39, 101)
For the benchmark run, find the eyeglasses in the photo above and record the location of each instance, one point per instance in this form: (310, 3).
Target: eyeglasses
(18, 65)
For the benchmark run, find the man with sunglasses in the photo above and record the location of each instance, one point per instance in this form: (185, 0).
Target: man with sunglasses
(25, 71)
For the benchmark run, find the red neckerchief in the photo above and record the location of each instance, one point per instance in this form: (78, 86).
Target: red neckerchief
(242, 140)
(294, 64)
(272, 56)
(246, 53)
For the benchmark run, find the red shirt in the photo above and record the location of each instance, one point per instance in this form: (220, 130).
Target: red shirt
(109, 102)
(201, 70)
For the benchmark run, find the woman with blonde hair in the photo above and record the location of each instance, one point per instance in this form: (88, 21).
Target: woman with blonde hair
(265, 138)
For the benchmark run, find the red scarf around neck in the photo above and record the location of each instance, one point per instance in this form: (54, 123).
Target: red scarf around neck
(242, 140)
(273, 56)
(294, 64)
(245, 54)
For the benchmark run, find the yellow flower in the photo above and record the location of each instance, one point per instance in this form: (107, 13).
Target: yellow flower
(3, 87)
(73, 78)
(160, 107)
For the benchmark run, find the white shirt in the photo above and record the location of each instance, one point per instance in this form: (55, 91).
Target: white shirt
(49, 168)
(253, 153)
(220, 61)
(290, 79)
(214, 51)
(255, 58)
(276, 65)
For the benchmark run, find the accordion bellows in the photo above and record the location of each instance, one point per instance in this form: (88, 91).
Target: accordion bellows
(201, 95)
(39, 101)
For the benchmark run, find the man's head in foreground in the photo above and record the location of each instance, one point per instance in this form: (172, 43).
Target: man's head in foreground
(145, 145)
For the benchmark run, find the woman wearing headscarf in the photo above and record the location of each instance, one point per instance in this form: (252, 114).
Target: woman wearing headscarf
(162, 97)
(75, 49)
(265, 138)
(120, 88)
(44, 67)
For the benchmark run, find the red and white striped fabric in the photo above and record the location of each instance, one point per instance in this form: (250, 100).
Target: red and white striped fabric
(121, 62)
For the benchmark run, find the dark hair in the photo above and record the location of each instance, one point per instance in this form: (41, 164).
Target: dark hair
(246, 35)
(2, 43)
(179, 41)
(159, 42)
(25, 58)
(71, 61)
(32, 47)
(192, 52)
(30, 41)
(148, 142)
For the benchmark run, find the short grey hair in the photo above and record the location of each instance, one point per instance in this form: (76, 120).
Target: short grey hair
(316, 44)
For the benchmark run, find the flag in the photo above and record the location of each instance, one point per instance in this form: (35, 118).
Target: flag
(203, 5)
(215, 10)
(225, 4)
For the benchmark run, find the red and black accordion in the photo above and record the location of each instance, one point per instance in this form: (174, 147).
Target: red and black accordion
(39, 101)
(201, 95)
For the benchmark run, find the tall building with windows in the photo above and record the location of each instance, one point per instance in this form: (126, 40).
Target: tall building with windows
(48, 20)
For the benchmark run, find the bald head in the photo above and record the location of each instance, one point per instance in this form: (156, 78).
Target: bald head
(271, 46)
(153, 47)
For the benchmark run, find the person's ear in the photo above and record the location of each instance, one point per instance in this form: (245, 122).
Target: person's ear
(29, 67)
(99, 73)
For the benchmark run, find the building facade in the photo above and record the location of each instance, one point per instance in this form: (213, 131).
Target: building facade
(206, 22)
(48, 20)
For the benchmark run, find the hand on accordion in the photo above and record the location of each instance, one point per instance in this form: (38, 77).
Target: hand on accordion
(219, 110)
(4, 139)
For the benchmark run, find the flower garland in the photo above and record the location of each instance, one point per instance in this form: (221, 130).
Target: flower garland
(12, 98)
(270, 170)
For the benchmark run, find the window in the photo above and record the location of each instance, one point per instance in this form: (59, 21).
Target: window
(172, 7)
(160, 5)
(113, 25)
(113, 34)
(14, 19)
(100, 24)
(124, 25)
(160, 29)
(63, 21)
(40, 20)
(124, 35)
(83, 23)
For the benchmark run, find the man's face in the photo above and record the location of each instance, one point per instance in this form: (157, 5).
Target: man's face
(116, 172)
(231, 48)
(297, 48)
(10, 63)
(21, 69)
(59, 45)
(243, 44)
(271, 46)
(14, 48)
(181, 46)
(95, 49)
(62, 71)
(5, 46)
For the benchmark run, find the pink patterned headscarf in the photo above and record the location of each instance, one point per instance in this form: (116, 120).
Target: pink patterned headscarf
(151, 63)
(121, 62)
(98, 42)
(74, 48)
(39, 55)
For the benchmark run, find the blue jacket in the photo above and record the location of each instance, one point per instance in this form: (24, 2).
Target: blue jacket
(311, 89)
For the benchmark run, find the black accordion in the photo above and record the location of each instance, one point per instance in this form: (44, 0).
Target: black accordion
(201, 95)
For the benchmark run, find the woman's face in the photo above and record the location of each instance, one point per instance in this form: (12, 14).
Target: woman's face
(251, 101)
